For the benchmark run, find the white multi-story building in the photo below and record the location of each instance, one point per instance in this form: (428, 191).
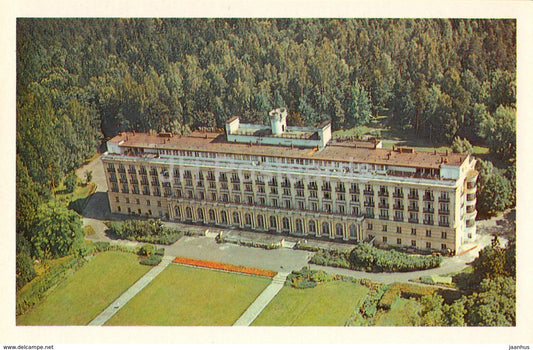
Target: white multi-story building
(296, 180)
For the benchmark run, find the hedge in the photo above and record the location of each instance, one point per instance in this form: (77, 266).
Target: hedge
(152, 260)
(365, 257)
(149, 231)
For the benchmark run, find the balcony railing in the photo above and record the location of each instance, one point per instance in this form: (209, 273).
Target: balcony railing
(444, 211)
(428, 222)
(398, 218)
(384, 205)
(429, 198)
(412, 196)
(429, 210)
(444, 199)
(413, 221)
(369, 192)
(383, 193)
(369, 204)
(445, 224)
(412, 208)
(398, 207)
(397, 194)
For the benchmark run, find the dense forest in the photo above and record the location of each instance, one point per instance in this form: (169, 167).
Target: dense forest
(80, 81)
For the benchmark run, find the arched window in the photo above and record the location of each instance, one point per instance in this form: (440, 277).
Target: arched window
(339, 230)
(178, 212)
(188, 212)
(260, 221)
(325, 228)
(299, 227)
(353, 231)
(286, 225)
(273, 223)
(312, 227)
(212, 215)
(200, 212)
(247, 219)
(236, 219)
(223, 217)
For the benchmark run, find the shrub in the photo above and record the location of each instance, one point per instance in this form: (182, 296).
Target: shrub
(160, 251)
(89, 230)
(101, 246)
(152, 260)
(146, 250)
(320, 276)
(334, 257)
(303, 284)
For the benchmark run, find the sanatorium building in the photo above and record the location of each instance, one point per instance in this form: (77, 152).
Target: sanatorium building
(297, 181)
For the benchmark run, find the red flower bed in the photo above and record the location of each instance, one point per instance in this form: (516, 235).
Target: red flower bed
(225, 267)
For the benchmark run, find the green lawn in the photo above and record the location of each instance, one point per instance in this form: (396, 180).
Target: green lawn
(189, 296)
(329, 304)
(82, 296)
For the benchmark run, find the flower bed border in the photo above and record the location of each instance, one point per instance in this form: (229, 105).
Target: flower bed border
(225, 267)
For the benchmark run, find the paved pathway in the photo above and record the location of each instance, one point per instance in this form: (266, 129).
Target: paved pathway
(130, 293)
(262, 300)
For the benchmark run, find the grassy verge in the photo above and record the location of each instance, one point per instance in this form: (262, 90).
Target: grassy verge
(82, 296)
(189, 296)
(328, 304)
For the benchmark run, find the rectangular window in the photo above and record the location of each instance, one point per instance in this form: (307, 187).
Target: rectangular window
(314, 206)
(398, 241)
(443, 235)
(117, 199)
(138, 201)
(413, 231)
(413, 243)
(341, 209)
(301, 205)
(369, 226)
(384, 239)
(443, 246)
(428, 245)
(428, 233)
(147, 202)
(384, 228)
(274, 202)
(158, 203)
(398, 229)
(250, 200)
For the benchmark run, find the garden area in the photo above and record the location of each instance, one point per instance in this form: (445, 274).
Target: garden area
(83, 294)
(148, 231)
(365, 257)
(191, 296)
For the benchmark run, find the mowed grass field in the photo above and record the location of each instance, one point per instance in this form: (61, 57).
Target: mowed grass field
(329, 304)
(82, 296)
(189, 296)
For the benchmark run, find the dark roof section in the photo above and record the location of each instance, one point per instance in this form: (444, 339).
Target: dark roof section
(355, 151)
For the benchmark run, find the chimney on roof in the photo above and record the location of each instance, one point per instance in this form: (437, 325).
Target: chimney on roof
(446, 153)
